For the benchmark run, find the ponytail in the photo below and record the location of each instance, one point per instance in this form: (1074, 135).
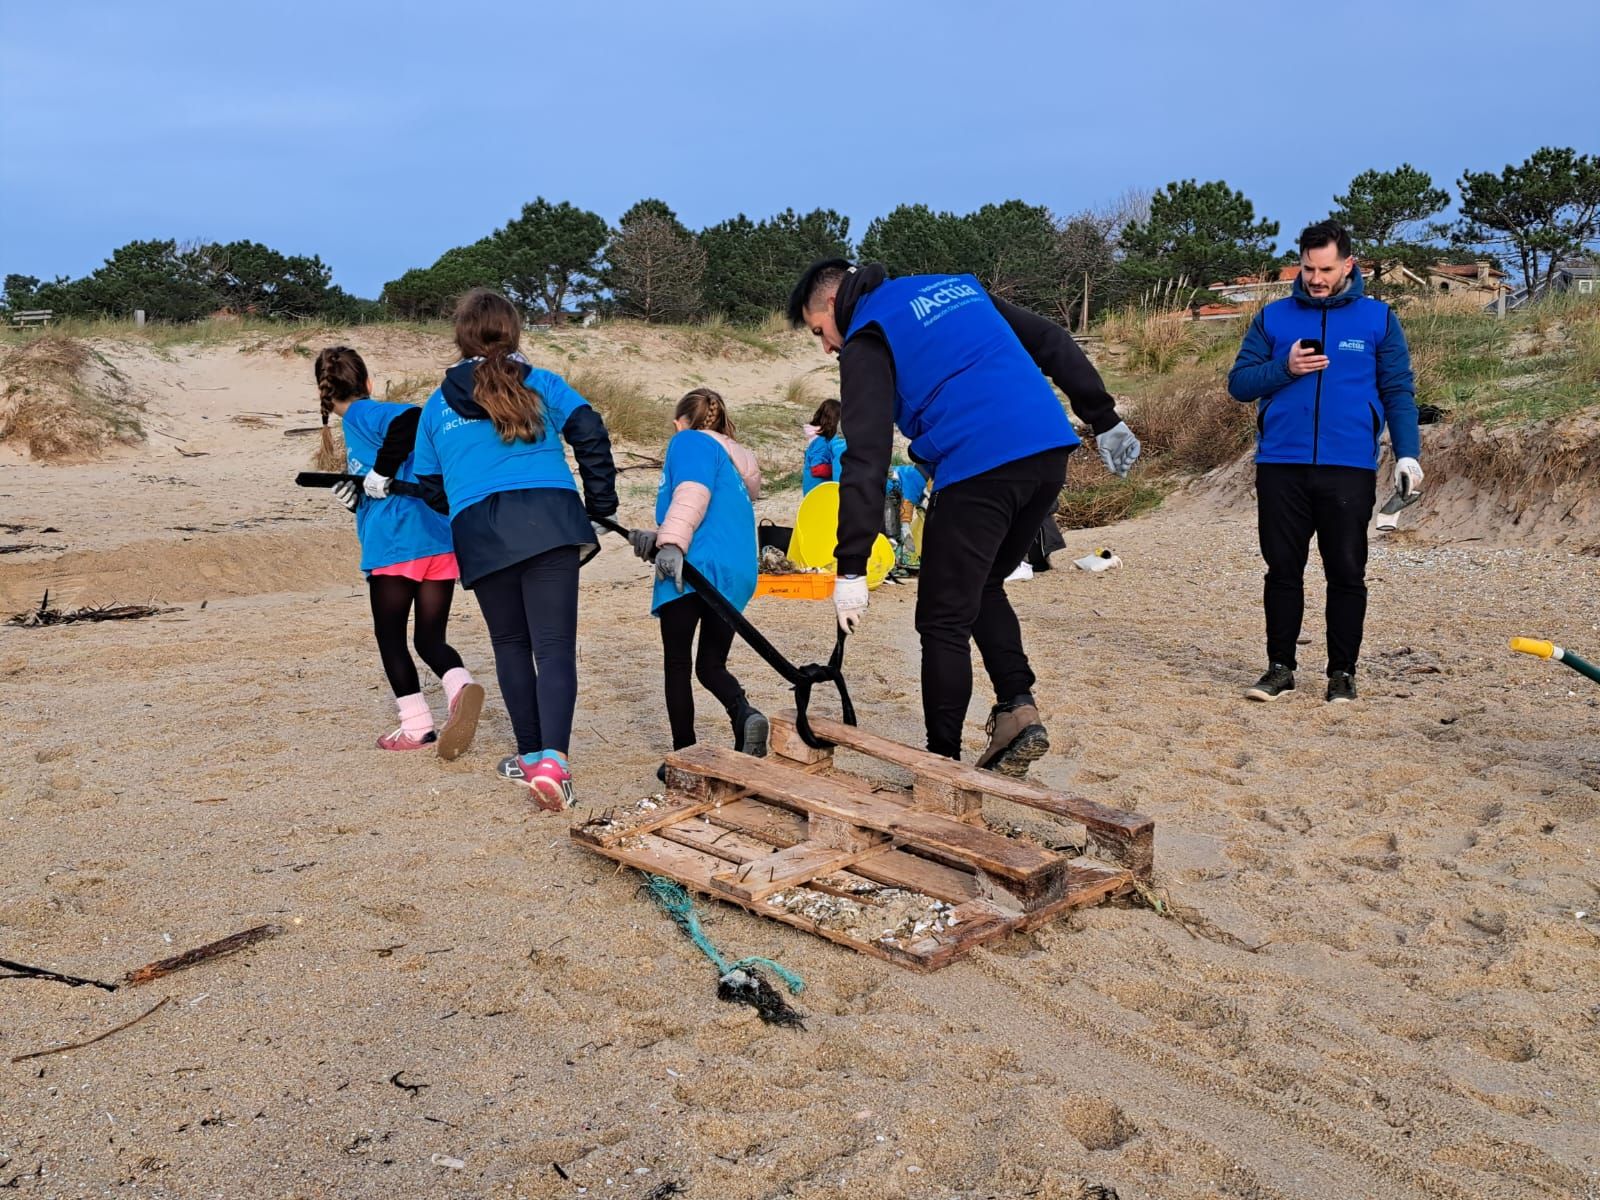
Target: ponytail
(489, 329)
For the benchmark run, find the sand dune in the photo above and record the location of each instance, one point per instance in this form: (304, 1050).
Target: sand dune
(1384, 988)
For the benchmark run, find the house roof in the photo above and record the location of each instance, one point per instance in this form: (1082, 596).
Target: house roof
(1464, 270)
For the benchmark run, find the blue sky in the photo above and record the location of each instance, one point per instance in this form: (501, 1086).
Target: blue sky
(380, 134)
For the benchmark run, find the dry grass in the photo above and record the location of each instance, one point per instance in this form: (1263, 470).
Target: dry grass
(330, 454)
(1190, 423)
(631, 414)
(801, 391)
(1522, 460)
(1094, 496)
(717, 337)
(1153, 342)
(410, 389)
(62, 400)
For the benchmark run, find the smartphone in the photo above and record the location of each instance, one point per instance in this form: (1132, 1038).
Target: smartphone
(1311, 345)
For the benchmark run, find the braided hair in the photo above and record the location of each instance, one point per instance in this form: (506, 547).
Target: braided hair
(704, 409)
(341, 375)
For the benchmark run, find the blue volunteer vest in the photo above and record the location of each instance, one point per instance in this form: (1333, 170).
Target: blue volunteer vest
(967, 394)
(395, 529)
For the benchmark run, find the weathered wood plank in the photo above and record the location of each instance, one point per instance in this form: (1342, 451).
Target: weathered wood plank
(694, 870)
(895, 868)
(1128, 836)
(784, 740)
(1031, 869)
(789, 867)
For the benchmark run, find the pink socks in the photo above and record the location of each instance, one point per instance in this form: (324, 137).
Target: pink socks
(454, 680)
(416, 719)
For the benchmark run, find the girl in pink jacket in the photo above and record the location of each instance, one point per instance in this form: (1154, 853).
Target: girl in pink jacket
(705, 517)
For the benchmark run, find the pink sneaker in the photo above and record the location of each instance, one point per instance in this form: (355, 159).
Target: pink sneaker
(462, 723)
(401, 740)
(550, 785)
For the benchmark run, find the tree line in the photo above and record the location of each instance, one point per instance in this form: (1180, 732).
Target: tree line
(554, 258)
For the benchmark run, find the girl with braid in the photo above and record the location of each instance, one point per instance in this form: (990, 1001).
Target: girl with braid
(405, 552)
(705, 515)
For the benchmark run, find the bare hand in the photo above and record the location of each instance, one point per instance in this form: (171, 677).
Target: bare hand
(1303, 362)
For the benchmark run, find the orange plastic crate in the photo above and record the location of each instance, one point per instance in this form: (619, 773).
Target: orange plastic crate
(795, 587)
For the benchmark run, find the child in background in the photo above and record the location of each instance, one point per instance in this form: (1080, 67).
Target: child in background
(705, 515)
(405, 551)
(489, 453)
(824, 447)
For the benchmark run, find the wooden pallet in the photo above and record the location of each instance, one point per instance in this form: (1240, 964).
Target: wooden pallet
(912, 874)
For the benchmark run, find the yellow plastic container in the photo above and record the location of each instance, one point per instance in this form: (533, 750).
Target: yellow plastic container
(816, 536)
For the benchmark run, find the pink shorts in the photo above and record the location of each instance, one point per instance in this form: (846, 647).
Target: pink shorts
(434, 566)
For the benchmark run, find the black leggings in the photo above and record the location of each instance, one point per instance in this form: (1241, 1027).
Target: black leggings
(393, 597)
(710, 666)
(531, 609)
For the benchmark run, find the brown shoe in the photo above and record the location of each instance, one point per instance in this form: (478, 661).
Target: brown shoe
(1016, 740)
(457, 733)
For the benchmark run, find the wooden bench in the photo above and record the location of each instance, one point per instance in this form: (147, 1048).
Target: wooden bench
(32, 316)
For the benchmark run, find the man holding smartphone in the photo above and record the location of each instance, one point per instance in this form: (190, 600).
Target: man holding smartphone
(1328, 368)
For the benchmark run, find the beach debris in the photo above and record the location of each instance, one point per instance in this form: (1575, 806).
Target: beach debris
(217, 949)
(746, 986)
(37, 618)
(400, 1083)
(737, 982)
(664, 1190)
(445, 1160)
(16, 1058)
(17, 970)
(1101, 560)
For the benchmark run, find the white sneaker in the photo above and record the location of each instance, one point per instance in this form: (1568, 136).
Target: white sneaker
(1023, 571)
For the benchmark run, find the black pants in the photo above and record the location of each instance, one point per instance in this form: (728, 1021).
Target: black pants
(1294, 501)
(976, 533)
(531, 609)
(393, 597)
(710, 665)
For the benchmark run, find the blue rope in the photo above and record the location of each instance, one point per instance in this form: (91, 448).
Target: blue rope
(677, 904)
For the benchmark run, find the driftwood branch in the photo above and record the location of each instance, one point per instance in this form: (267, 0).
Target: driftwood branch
(97, 1038)
(200, 954)
(24, 971)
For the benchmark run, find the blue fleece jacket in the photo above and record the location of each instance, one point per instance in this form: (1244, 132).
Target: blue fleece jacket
(1334, 417)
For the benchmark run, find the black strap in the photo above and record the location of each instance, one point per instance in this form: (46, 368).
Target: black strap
(802, 679)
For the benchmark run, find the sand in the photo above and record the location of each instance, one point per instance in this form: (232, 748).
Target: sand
(1387, 985)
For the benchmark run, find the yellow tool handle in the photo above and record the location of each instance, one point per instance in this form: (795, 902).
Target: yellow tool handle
(1533, 646)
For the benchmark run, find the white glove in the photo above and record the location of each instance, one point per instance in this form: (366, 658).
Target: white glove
(1408, 476)
(850, 600)
(1119, 449)
(375, 485)
(345, 493)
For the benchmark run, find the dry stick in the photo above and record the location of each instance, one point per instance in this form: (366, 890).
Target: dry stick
(24, 971)
(16, 1058)
(189, 958)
